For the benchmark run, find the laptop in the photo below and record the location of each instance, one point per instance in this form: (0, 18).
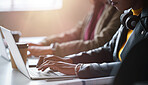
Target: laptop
(31, 73)
(3, 51)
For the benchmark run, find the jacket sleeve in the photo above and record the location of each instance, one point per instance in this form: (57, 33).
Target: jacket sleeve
(100, 55)
(94, 58)
(100, 39)
(95, 70)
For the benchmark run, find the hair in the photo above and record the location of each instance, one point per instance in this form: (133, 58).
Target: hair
(145, 3)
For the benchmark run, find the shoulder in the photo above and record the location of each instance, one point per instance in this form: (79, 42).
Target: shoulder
(144, 18)
(109, 7)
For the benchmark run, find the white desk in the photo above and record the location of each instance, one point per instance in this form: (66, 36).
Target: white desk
(31, 39)
(9, 76)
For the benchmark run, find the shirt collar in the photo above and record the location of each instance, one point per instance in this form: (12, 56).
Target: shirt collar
(137, 11)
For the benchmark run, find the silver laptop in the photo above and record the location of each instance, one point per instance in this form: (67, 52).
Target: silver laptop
(3, 51)
(31, 73)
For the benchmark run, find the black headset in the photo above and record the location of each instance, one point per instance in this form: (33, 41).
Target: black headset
(129, 20)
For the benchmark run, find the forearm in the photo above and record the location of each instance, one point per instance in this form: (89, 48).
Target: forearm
(101, 54)
(69, 35)
(94, 70)
(93, 56)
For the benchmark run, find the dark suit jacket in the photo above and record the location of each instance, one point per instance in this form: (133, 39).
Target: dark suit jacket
(134, 67)
(109, 52)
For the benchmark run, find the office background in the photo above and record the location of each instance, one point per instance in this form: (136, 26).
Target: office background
(43, 23)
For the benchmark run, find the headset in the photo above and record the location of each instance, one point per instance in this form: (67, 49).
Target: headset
(129, 20)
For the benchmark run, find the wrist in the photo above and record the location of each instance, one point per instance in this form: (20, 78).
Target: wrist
(77, 68)
(49, 50)
(41, 44)
(68, 60)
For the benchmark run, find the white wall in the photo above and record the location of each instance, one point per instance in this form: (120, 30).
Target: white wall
(43, 23)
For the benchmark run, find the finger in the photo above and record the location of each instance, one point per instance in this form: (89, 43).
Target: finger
(53, 66)
(60, 63)
(53, 69)
(44, 67)
(56, 68)
(44, 63)
(33, 44)
(53, 58)
(41, 58)
(49, 57)
(46, 58)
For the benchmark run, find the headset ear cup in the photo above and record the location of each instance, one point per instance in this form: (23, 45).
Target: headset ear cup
(123, 18)
(131, 22)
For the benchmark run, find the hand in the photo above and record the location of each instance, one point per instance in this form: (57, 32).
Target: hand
(60, 66)
(40, 50)
(33, 44)
(52, 58)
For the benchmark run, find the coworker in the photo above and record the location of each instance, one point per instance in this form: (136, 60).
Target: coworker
(90, 64)
(94, 31)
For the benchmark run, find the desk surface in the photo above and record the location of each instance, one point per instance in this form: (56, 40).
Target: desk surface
(9, 76)
(31, 39)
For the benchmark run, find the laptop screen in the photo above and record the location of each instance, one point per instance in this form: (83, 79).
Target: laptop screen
(3, 51)
(14, 51)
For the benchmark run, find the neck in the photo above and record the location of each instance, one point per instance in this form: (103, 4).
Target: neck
(137, 4)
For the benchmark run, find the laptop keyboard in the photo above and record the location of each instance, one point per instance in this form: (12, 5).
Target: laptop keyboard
(47, 72)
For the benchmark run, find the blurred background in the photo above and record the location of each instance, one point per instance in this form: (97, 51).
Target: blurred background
(45, 20)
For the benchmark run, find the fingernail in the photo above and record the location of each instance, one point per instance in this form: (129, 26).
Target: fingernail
(39, 68)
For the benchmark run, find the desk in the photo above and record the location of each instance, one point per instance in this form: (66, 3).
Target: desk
(31, 39)
(9, 76)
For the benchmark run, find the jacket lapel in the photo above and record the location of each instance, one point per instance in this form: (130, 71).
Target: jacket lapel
(120, 40)
(137, 35)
